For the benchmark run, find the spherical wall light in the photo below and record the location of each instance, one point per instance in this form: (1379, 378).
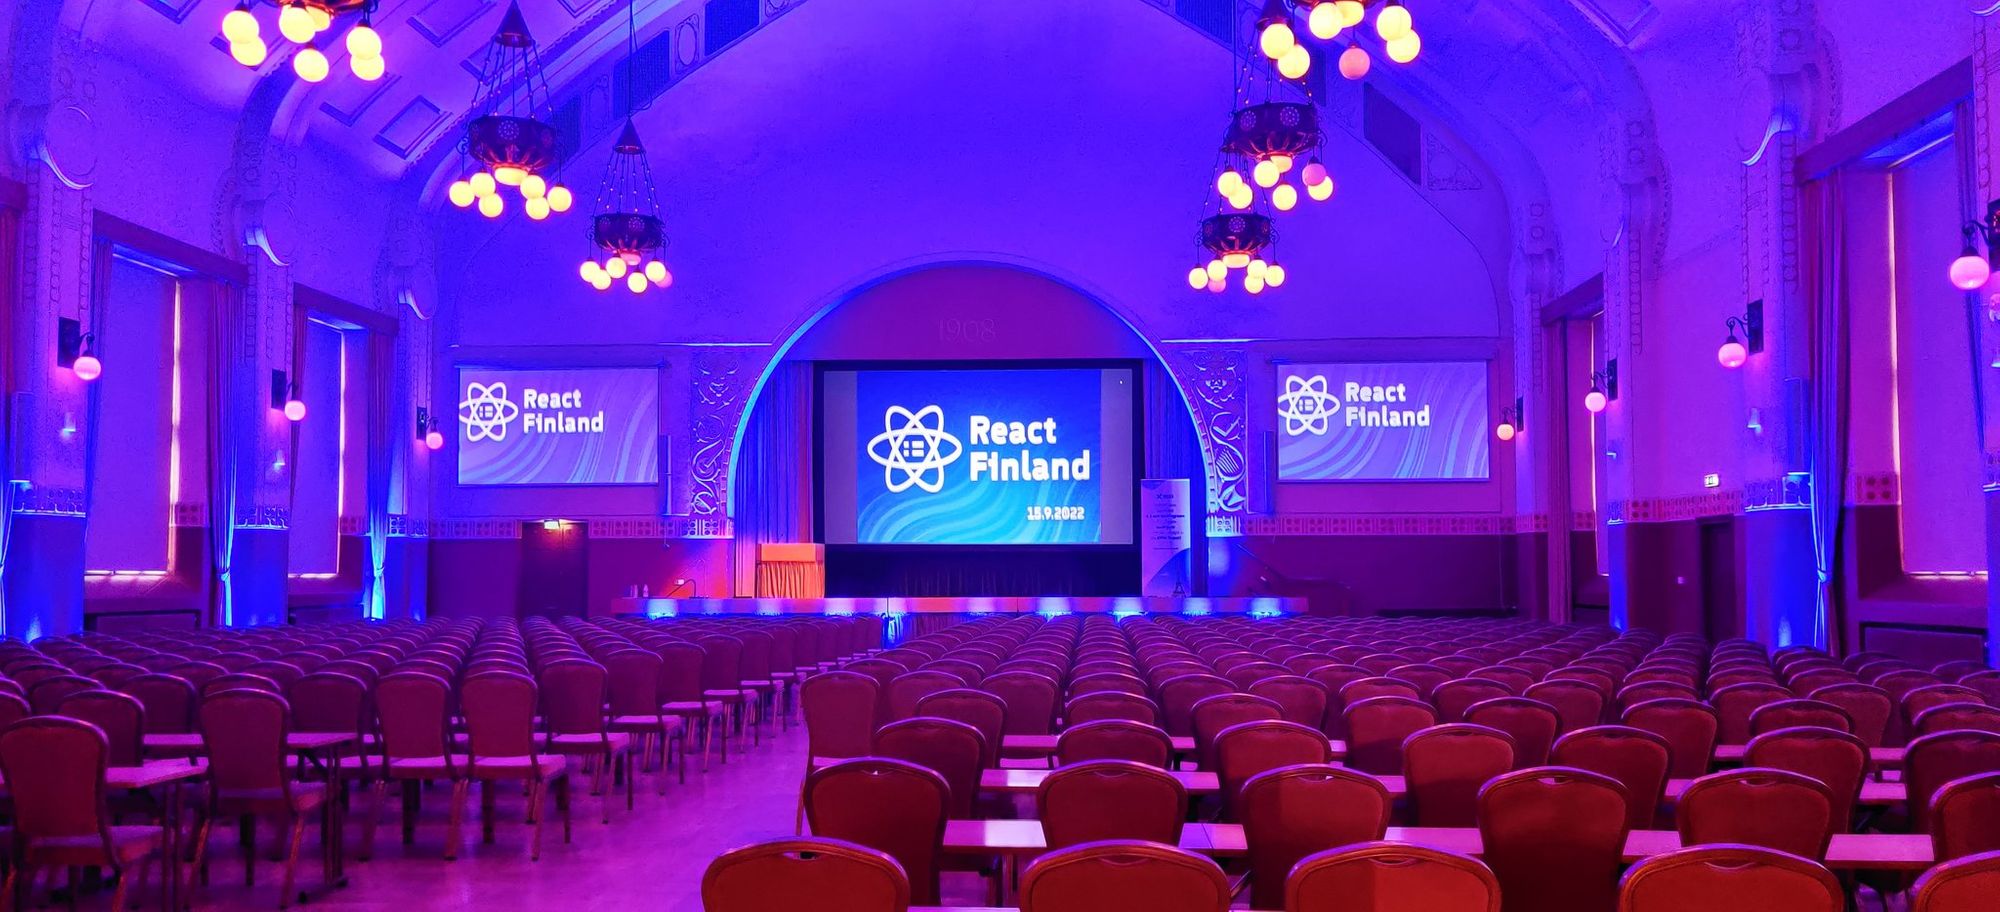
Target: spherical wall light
(1277, 40)
(1354, 62)
(310, 64)
(1732, 354)
(1594, 400)
(251, 52)
(434, 440)
(87, 367)
(1324, 20)
(367, 69)
(295, 410)
(491, 205)
(1393, 21)
(1295, 63)
(296, 24)
(1970, 271)
(1405, 49)
(1505, 431)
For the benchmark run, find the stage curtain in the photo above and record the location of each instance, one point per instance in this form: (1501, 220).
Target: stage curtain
(1173, 450)
(773, 482)
(229, 380)
(382, 438)
(1828, 360)
(9, 293)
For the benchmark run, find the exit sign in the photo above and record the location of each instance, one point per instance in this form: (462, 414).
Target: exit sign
(1711, 480)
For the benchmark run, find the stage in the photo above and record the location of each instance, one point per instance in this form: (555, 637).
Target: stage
(1051, 606)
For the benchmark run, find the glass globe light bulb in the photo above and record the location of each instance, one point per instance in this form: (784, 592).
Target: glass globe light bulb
(1227, 182)
(1295, 63)
(434, 440)
(1217, 285)
(368, 69)
(588, 270)
(364, 41)
(1321, 191)
(636, 281)
(1274, 275)
(87, 367)
(1253, 284)
(321, 18)
(240, 25)
(1243, 198)
(1505, 432)
(536, 208)
(295, 410)
(491, 205)
(1284, 196)
(296, 24)
(1236, 260)
(614, 266)
(1392, 22)
(1732, 354)
(1354, 62)
(560, 198)
(310, 64)
(1594, 401)
(251, 52)
(1351, 12)
(601, 282)
(1970, 271)
(1284, 162)
(1266, 173)
(1277, 40)
(1405, 49)
(1256, 267)
(460, 193)
(509, 175)
(1197, 278)
(656, 272)
(1313, 173)
(1216, 270)
(534, 186)
(1324, 20)
(481, 183)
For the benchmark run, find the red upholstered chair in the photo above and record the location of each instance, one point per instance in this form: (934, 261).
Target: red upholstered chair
(1300, 699)
(1636, 760)
(1634, 694)
(1965, 817)
(1110, 799)
(1869, 706)
(1123, 874)
(1376, 728)
(1688, 726)
(411, 710)
(1517, 680)
(248, 775)
(1734, 704)
(1115, 739)
(48, 693)
(1453, 698)
(1531, 723)
(1835, 758)
(825, 875)
(1108, 682)
(1391, 877)
(1243, 751)
(1915, 701)
(119, 716)
(1986, 682)
(1031, 700)
(1799, 712)
(633, 702)
(1213, 714)
(1933, 760)
(1336, 677)
(1446, 765)
(1956, 717)
(977, 708)
(1767, 808)
(887, 805)
(883, 671)
(1368, 688)
(1180, 693)
(1965, 885)
(1804, 683)
(1291, 812)
(1730, 878)
(502, 747)
(1100, 706)
(907, 690)
(1579, 704)
(1555, 837)
(573, 694)
(953, 750)
(54, 768)
(1424, 676)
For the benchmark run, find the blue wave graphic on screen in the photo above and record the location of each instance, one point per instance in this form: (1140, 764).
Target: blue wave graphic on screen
(626, 451)
(965, 511)
(1452, 447)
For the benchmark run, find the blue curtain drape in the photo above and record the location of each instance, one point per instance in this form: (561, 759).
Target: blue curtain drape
(381, 438)
(1173, 450)
(1831, 395)
(229, 381)
(773, 479)
(9, 291)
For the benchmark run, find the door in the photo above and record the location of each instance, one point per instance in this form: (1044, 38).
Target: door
(553, 568)
(1719, 596)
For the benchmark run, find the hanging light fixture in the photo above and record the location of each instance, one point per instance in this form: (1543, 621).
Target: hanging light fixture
(1513, 420)
(1278, 34)
(1733, 351)
(1971, 270)
(1603, 387)
(511, 142)
(628, 226)
(427, 429)
(74, 349)
(301, 22)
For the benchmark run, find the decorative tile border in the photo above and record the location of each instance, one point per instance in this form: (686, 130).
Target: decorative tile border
(48, 501)
(1677, 509)
(1879, 489)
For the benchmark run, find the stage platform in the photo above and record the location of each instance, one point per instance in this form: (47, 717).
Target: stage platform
(1117, 606)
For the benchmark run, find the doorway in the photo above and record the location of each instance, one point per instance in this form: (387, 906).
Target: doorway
(1721, 600)
(554, 568)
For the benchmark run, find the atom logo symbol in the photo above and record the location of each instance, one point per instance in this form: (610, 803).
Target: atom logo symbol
(486, 411)
(1306, 406)
(915, 444)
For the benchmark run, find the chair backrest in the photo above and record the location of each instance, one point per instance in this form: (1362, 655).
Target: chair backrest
(1300, 699)
(887, 805)
(1249, 748)
(1798, 712)
(572, 693)
(1579, 704)
(1454, 698)
(241, 680)
(1688, 726)
(1123, 874)
(1376, 728)
(1180, 693)
(499, 708)
(680, 672)
(170, 702)
(908, 689)
(328, 701)
(1100, 706)
(1115, 739)
(1531, 723)
(805, 872)
(244, 732)
(1291, 812)
(1956, 717)
(1379, 686)
(1213, 714)
(54, 768)
(1767, 808)
(1837, 759)
(1445, 765)
(1734, 704)
(1636, 759)
(1555, 837)
(953, 750)
(1933, 760)
(1110, 799)
(1869, 706)
(977, 708)
(410, 709)
(1646, 691)
(632, 682)
(721, 662)
(48, 693)
(839, 709)
(119, 716)
(1964, 885)
(1390, 877)
(1730, 878)
(1030, 700)
(1965, 817)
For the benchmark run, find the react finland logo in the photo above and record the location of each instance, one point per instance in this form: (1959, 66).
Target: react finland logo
(1306, 406)
(486, 411)
(916, 445)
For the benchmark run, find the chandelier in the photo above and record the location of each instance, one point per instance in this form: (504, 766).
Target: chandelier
(1238, 240)
(628, 226)
(1326, 19)
(301, 22)
(511, 141)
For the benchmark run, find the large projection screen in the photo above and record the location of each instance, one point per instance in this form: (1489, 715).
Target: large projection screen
(584, 426)
(1391, 421)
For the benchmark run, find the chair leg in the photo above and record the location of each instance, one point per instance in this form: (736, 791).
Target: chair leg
(7, 901)
(452, 833)
(535, 807)
(292, 859)
(145, 875)
(562, 805)
(799, 820)
(377, 792)
(602, 784)
(201, 848)
(708, 740)
(630, 774)
(118, 893)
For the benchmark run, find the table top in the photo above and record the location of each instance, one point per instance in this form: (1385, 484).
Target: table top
(1182, 744)
(300, 741)
(147, 775)
(1882, 757)
(1028, 780)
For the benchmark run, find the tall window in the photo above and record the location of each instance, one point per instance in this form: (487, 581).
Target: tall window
(134, 458)
(329, 378)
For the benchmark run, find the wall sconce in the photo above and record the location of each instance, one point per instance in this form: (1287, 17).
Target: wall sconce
(1603, 387)
(1734, 352)
(1513, 420)
(285, 397)
(427, 429)
(73, 350)
(1970, 271)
